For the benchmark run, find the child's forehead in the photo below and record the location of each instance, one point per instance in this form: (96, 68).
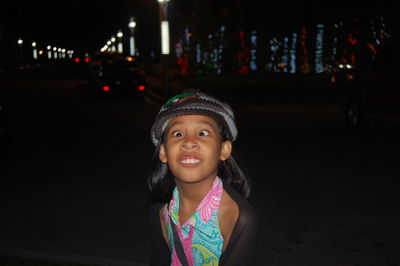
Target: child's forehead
(192, 119)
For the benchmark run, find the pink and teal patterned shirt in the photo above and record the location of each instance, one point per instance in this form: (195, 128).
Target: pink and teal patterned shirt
(200, 235)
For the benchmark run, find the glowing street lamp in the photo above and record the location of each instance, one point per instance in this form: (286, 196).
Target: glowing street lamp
(119, 36)
(55, 52)
(132, 25)
(48, 51)
(164, 38)
(34, 50)
(20, 43)
(113, 43)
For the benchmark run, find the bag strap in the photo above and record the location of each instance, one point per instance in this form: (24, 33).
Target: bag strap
(178, 246)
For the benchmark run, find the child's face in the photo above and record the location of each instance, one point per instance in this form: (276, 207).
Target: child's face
(193, 148)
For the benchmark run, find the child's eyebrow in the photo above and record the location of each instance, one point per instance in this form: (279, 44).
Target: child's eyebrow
(199, 122)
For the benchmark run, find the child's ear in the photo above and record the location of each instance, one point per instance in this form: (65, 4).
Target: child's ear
(162, 155)
(226, 149)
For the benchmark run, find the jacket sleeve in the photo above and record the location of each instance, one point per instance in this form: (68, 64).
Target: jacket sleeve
(242, 249)
(159, 250)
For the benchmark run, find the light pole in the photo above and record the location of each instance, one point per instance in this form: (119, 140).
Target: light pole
(132, 25)
(55, 52)
(113, 43)
(164, 39)
(49, 52)
(34, 50)
(21, 54)
(119, 36)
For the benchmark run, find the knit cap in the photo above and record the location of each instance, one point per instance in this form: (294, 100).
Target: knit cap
(194, 103)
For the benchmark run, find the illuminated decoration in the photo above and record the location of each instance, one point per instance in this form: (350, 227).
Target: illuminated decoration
(178, 49)
(164, 37)
(285, 56)
(253, 50)
(274, 47)
(198, 53)
(187, 35)
(292, 53)
(319, 67)
(304, 66)
(220, 48)
(243, 57)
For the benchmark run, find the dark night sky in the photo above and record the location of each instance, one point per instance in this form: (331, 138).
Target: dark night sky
(87, 25)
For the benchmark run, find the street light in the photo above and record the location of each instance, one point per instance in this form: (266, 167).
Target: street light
(164, 38)
(48, 51)
(113, 43)
(20, 43)
(34, 50)
(55, 52)
(132, 25)
(119, 36)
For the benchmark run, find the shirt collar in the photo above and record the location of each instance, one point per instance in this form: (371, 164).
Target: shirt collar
(206, 213)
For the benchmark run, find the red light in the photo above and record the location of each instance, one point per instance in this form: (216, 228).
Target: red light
(141, 87)
(106, 88)
(77, 60)
(87, 59)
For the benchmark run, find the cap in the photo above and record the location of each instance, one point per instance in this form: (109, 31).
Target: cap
(194, 103)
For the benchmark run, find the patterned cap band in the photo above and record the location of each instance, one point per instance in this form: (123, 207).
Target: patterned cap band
(194, 103)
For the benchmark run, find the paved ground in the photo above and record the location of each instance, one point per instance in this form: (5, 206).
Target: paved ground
(73, 186)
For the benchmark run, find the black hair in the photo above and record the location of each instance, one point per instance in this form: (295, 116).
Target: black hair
(161, 181)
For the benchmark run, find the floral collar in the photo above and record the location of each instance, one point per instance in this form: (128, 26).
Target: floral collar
(206, 214)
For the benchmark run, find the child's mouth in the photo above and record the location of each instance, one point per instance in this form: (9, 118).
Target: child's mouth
(189, 160)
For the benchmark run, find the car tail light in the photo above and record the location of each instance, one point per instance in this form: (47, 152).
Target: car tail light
(77, 59)
(87, 59)
(106, 88)
(141, 87)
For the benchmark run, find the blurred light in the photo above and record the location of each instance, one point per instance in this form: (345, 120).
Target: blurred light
(109, 43)
(132, 23)
(41, 52)
(34, 44)
(130, 59)
(87, 59)
(163, 1)
(20, 41)
(113, 39)
(77, 59)
(48, 47)
(348, 66)
(120, 34)
(164, 37)
(54, 48)
(106, 88)
(141, 87)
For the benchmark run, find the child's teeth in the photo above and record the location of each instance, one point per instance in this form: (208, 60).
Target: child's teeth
(190, 161)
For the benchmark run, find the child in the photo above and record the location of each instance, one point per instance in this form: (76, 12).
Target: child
(199, 214)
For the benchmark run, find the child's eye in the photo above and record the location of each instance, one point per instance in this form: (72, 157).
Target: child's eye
(177, 134)
(204, 133)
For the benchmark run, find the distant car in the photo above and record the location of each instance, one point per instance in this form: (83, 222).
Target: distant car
(115, 73)
(372, 92)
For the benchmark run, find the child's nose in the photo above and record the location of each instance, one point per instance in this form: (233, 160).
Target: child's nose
(190, 143)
